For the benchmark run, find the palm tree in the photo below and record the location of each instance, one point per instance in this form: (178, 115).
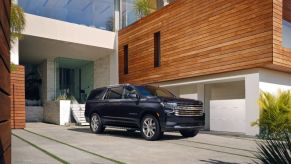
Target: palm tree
(17, 22)
(143, 7)
(275, 150)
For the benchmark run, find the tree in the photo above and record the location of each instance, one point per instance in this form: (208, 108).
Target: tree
(17, 22)
(143, 8)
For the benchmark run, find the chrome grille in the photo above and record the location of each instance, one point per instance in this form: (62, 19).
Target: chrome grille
(188, 110)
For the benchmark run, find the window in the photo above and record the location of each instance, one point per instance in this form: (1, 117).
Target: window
(125, 49)
(157, 49)
(92, 13)
(128, 90)
(115, 93)
(97, 94)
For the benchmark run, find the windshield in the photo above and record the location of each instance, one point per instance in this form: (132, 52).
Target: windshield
(154, 91)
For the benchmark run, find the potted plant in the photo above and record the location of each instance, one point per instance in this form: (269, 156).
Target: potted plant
(59, 111)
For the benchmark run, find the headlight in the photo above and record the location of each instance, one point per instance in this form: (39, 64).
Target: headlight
(169, 107)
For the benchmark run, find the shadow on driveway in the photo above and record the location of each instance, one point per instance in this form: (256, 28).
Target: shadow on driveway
(125, 134)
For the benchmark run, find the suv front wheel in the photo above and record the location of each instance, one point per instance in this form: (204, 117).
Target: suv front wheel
(189, 133)
(150, 128)
(96, 125)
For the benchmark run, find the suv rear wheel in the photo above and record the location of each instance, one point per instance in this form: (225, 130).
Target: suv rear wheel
(96, 125)
(189, 133)
(150, 128)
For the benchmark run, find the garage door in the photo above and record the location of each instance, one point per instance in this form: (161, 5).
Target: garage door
(227, 115)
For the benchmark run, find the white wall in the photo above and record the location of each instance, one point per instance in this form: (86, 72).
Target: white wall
(58, 30)
(286, 34)
(188, 91)
(273, 81)
(252, 93)
(14, 53)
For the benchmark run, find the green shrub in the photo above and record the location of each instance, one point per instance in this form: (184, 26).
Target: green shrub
(275, 114)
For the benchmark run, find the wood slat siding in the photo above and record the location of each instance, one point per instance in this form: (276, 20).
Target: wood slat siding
(18, 98)
(281, 55)
(5, 131)
(199, 37)
(287, 10)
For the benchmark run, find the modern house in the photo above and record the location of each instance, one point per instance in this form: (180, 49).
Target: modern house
(222, 52)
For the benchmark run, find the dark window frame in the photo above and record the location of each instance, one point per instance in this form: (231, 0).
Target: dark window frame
(125, 52)
(157, 49)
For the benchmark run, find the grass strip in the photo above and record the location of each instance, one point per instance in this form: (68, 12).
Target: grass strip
(41, 149)
(219, 151)
(203, 143)
(86, 151)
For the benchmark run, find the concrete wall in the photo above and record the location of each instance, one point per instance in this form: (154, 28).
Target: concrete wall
(47, 71)
(102, 72)
(286, 34)
(57, 112)
(34, 113)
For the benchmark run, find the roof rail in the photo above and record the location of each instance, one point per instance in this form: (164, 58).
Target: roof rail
(116, 85)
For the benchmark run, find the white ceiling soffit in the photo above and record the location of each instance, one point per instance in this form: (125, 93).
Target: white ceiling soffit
(34, 50)
(68, 32)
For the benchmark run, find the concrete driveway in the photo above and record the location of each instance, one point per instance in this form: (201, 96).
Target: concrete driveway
(46, 143)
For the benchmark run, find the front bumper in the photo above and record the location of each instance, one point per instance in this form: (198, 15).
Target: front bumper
(176, 123)
(87, 119)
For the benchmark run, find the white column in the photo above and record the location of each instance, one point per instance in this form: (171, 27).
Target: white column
(207, 97)
(200, 92)
(114, 74)
(252, 93)
(14, 52)
(117, 15)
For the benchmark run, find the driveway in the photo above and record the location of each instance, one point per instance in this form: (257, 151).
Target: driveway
(46, 143)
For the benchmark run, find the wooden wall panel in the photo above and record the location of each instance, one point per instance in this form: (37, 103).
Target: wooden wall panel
(281, 55)
(287, 10)
(18, 98)
(5, 131)
(199, 38)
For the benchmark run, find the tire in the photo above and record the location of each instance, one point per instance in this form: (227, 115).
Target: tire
(189, 133)
(96, 125)
(150, 128)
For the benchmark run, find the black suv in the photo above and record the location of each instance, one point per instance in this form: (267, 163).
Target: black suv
(152, 110)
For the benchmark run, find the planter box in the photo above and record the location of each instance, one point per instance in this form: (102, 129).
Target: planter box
(34, 113)
(57, 112)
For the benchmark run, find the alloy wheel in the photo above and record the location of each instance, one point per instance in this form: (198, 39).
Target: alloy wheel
(95, 123)
(149, 127)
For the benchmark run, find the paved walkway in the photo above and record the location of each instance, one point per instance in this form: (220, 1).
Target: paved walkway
(46, 143)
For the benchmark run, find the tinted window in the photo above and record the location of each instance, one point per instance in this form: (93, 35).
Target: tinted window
(125, 49)
(115, 93)
(157, 49)
(154, 91)
(129, 90)
(97, 94)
